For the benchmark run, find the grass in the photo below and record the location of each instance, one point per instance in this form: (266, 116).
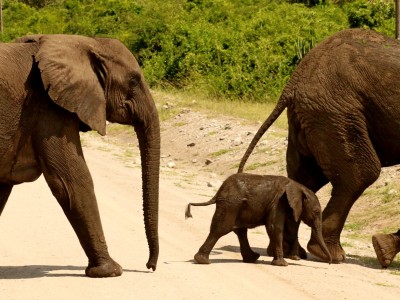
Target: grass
(255, 166)
(180, 124)
(248, 111)
(220, 152)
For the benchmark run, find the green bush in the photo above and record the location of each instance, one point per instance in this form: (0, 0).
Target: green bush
(235, 49)
(243, 51)
(378, 15)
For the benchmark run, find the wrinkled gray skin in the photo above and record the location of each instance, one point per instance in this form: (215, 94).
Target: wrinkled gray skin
(52, 87)
(249, 200)
(343, 106)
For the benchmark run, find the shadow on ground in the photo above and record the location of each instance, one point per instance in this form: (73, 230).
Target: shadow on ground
(365, 261)
(39, 271)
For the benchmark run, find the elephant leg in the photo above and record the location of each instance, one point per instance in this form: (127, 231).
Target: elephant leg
(351, 164)
(5, 191)
(306, 171)
(249, 256)
(275, 229)
(222, 223)
(386, 247)
(64, 168)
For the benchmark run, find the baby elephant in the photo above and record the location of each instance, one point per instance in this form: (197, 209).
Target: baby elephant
(249, 200)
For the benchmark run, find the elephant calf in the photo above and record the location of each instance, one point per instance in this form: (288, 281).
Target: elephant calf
(249, 200)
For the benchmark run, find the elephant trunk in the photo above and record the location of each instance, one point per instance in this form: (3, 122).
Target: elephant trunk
(148, 133)
(317, 234)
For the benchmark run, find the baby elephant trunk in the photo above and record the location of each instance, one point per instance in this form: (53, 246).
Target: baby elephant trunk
(317, 233)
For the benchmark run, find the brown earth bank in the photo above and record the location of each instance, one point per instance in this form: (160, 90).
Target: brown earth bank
(41, 258)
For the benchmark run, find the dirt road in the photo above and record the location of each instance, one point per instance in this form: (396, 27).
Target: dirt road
(40, 257)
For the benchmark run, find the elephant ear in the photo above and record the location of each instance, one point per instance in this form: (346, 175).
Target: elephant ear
(73, 74)
(34, 38)
(295, 199)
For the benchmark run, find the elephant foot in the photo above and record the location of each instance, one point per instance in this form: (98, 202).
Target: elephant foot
(293, 257)
(386, 247)
(201, 258)
(250, 257)
(279, 262)
(109, 268)
(296, 253)
(334, 247)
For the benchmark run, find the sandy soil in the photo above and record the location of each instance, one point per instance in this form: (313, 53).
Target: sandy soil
(41, 258)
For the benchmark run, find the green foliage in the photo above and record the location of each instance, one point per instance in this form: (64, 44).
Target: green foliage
(377, 14)
(227, 49)
(37, 3)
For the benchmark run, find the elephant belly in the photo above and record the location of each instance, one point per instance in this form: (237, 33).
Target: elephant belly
(250, 218)
(386, 144)
(18, 165)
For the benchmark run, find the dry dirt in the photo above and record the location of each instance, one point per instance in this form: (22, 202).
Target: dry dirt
(40, 257)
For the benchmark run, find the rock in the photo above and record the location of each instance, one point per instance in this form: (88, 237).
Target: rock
(171, 165)
(238, 141)
(208, 161)
(191, 144)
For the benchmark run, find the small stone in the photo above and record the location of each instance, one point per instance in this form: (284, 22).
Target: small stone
(208, 161)
(236, 142)
(191, 144)
(171, 165)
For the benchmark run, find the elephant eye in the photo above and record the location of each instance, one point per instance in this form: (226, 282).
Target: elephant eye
(135, 79)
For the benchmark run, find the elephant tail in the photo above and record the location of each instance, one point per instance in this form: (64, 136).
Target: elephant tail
(279, 108)
(188, 214)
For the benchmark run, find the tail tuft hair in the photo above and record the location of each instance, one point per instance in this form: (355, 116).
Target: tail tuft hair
(187, 212)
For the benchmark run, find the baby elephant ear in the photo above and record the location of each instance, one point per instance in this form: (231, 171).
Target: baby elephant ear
(295, 198)
(70, 70)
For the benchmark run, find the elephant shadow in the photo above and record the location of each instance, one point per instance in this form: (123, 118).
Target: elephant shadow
(230, 248)
(39, 271)
(364, 261)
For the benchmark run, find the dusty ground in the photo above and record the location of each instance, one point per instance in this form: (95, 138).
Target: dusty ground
(40, 256)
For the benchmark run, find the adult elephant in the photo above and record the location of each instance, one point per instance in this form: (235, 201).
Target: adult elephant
(51, 88)
(343, 106)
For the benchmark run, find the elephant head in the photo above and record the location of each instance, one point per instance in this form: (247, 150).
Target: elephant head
(306, 207)
(99, 79)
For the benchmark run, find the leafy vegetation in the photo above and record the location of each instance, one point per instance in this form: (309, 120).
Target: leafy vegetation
(224, 49)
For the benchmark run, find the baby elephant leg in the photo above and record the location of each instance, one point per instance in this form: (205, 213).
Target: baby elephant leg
(222, 223)
(249, 256)
(275, 227)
